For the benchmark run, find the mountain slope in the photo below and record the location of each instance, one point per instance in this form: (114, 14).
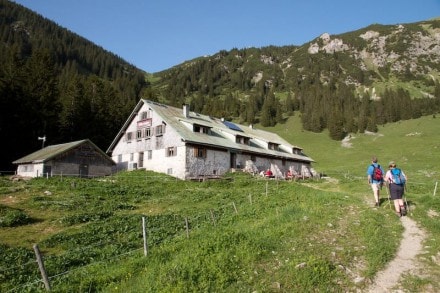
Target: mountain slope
(57, 84)
(390, 64)
(407, 52)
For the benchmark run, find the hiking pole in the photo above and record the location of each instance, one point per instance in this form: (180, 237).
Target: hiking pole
(404, 197)
(388, 194)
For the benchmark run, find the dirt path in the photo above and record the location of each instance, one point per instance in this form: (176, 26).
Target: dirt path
(404, 261)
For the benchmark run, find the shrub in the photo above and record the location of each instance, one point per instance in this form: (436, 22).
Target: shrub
(13, 217)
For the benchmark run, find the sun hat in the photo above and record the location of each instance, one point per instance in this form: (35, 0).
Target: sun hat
(392, 164)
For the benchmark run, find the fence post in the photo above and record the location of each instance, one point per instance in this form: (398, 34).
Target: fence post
(435, 188)
(267, 183)
(41, 267)
(144, 234)
(235, 208)
(250, 198)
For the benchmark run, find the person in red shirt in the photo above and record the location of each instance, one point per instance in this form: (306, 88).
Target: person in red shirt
(269, 173)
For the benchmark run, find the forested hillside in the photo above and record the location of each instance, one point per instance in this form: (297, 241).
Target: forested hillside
(57, 84)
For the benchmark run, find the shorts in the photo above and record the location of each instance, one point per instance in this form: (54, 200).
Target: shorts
(375, 186)
(396, 191)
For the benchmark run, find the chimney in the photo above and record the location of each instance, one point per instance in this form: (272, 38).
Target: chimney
(186, 110)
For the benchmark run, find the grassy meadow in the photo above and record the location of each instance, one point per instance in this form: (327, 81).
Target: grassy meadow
(239, 234)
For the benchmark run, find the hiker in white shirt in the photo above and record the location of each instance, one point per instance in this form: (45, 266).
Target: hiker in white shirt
(395, 179)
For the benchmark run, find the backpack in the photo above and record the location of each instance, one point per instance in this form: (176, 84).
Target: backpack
(377, 173)
(398, 178)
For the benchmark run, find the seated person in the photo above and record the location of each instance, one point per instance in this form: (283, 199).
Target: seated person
(289, 175)
(269, 173)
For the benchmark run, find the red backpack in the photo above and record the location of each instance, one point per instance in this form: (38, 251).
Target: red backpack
(377, 173)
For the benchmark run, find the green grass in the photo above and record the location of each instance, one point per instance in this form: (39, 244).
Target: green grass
(305, 236)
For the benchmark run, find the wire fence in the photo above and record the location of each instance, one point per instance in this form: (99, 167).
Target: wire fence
(125, 246)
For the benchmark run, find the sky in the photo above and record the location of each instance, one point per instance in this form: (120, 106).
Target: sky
(155, 35)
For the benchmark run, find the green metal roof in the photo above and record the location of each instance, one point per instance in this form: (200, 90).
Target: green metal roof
(219, 132)
(52, 151)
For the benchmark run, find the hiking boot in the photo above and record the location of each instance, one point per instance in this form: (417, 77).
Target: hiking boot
(403, 211)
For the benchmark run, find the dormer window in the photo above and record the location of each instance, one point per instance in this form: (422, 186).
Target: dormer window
(242, 139)
(273, 146)
(200, 129)
(296, 151)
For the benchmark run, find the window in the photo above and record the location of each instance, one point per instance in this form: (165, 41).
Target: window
(129, 136)
(27, 168)
(119, 158)
(200, 129)
(273, 146)
(147, 132)
(200, 152)
(160, 129)
(170, 171)
(171, 151)
(253, 158)
(131, 157)
(242, 139)
(145, 115)
(149, 154)
(139, 134)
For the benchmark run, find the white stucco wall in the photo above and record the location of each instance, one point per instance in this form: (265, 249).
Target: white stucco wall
(30, 170)
(158, 145)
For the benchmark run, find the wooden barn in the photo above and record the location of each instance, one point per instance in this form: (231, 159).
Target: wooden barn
(79, 158)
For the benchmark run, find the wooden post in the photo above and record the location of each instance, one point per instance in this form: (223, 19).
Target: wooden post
(250, 198)
(435, 188)
(235, 208)
(187, 227)
(41, 267)
(144, 233)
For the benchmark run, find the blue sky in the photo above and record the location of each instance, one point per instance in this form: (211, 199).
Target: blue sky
(155, 35)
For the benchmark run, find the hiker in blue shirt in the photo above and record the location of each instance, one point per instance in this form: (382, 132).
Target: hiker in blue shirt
(375, 179)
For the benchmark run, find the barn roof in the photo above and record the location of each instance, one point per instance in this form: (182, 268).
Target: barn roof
(53, 151)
